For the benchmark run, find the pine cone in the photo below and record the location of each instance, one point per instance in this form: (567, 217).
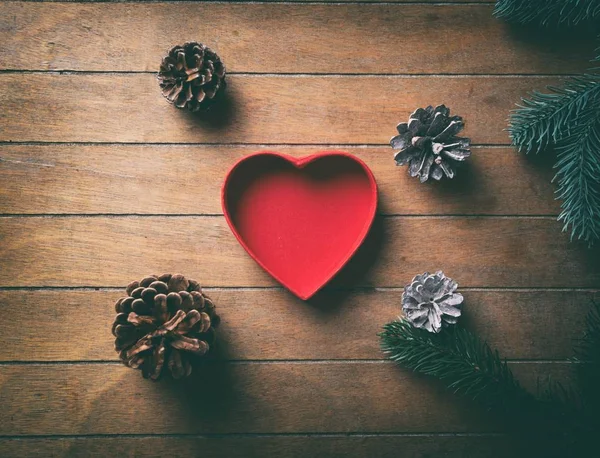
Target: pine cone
(164, 321)
(430, 301)
(428, 143)
(191, 75)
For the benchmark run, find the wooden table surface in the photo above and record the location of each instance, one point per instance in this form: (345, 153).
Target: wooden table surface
(103, 182)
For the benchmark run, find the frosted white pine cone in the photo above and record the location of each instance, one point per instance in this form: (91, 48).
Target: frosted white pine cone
(429, 145)
(430, 301)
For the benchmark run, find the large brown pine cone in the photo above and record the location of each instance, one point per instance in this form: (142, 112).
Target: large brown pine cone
(191, 75)
(163, 324)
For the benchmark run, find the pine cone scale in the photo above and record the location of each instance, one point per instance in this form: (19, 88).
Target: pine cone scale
(437, 125)
(188, 322)
(161, 312)
(187, 343)
(179, 366)
(428, 162)
(174, 322)
(140, 346)
(157, 362)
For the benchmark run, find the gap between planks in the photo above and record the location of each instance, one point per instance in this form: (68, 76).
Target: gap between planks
(300, 75)
(280, 288)
(218, 215)
(267, 2)
(253, 435)
(249, 362)
(227, 145)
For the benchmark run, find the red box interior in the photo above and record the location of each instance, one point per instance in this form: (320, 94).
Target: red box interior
(300, 219)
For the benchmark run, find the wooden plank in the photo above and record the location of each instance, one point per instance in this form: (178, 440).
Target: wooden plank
(259, 109)
(260, 447)
(341, 325)
(239, 398)
(111, 251)
(123, 179)
(281, 38)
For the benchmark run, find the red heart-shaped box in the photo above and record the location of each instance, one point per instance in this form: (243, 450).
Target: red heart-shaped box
(301, 219)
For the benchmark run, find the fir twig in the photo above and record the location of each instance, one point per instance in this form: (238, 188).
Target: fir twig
(548, 12)
(548, 426)
(545, 118)
(568, 117)
(466, 364)
(578, 176)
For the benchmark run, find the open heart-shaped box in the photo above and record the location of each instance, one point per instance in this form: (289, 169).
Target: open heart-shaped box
(301, 219)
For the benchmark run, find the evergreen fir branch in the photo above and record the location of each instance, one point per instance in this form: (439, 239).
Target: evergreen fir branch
(545, 118)
(550, 426)
(548, 12)
(467, 365)
(578, 176)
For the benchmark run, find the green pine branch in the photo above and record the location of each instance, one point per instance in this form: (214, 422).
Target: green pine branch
(578, 176)
(551, 425)
(548, 12)
(545, 118)
(467, 365)
(569, 118)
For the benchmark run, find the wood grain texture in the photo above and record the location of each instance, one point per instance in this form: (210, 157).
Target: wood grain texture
(185, 179)
(258, 109)
(261, 447)
(272, 325)
(280, 38)
(111, 251)
(240, 398)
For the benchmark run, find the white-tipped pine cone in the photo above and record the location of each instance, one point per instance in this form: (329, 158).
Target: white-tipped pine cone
(429, 145)
(431, 301)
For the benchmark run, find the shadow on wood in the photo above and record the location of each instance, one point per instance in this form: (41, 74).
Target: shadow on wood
(467, 182)
(221, 115)
(208, 395)
(543, 160)
(541, 166)
(550, 43)
(357, 268)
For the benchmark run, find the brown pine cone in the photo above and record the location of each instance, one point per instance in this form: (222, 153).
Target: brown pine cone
(165, 321)
(191, 75)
